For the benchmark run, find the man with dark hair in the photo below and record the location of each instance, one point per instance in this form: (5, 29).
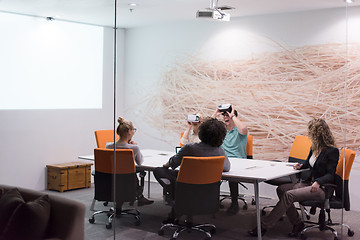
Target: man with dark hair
(211, 133)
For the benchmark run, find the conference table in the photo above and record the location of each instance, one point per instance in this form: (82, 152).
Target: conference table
(253, 171)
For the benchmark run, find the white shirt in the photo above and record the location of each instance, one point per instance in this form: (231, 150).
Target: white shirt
(312, 160)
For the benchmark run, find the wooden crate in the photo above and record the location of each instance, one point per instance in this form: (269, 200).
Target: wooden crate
(67, 176)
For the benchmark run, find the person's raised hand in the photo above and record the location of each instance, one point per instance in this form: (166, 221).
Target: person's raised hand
(216, 113)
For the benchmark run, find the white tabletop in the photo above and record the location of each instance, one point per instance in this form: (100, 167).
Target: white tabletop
(244, 170)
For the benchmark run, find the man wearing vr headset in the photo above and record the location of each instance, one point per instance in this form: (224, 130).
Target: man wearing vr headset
(234, 145)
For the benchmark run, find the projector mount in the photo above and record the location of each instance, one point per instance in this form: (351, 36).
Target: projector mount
(215, 12)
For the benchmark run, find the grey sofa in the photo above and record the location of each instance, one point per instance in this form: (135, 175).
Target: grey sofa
(66, 220)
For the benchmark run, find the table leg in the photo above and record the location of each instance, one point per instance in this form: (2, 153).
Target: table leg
(257, 199)
(148, 183)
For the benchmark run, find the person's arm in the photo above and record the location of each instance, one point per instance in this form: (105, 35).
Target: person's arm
(240, 125)
(138, 155)
(175, 160)
(185, 138)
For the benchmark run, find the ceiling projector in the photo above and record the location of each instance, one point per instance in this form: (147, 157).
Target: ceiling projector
(216, 14)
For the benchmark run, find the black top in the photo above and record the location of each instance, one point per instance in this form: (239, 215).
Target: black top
(324, 168)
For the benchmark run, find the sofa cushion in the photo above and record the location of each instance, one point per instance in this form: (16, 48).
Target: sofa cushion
(30, 218)
(9, 201)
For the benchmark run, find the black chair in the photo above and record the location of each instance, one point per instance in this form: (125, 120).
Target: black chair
(197, 192)
(298, 153)
(336, 197)
(125, 183)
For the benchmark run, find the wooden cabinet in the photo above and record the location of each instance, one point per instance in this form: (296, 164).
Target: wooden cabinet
(67, 176)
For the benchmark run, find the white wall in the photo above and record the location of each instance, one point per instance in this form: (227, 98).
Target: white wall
(150, 51)
(31, 139)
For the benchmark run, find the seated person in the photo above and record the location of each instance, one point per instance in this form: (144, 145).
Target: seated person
(126, 131)
(235, 147)
(211, 133)
(322, 161)
(191, 136)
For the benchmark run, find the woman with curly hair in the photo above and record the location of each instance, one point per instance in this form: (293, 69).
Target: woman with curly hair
(322, 161)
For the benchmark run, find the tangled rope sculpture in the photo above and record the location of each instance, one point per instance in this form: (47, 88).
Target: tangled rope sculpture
(275, 94)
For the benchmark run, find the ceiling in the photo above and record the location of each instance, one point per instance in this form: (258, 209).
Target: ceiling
(101, 12)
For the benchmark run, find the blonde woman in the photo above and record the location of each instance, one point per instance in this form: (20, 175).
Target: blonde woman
(192, 130)
(126, 131)
(322, 161)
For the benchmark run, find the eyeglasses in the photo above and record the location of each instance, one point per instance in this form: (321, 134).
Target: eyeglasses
(134, 129)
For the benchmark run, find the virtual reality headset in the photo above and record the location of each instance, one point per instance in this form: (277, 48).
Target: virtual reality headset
(193, 118)
(226, 107)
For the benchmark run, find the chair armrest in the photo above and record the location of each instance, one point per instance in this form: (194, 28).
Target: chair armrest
(329, 189)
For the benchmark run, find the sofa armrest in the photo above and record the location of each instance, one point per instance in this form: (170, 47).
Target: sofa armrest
(66, 219)
(67, 216)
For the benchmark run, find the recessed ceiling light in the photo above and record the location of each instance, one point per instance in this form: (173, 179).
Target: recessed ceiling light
(349, 1)
(132, 4)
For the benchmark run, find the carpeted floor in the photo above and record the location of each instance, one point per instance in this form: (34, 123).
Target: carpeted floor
(228, 227)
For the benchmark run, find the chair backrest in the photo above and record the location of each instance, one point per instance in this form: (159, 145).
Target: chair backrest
(249, 147)
(181, 135)
(300, 149)
(104, 136)
(342, 176)
(349, 160)
(124, 172)
(198, 185)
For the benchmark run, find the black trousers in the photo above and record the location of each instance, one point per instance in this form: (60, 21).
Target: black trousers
(140, 184)
(167, 179)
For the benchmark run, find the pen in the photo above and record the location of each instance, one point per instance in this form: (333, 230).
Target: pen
(251, 167)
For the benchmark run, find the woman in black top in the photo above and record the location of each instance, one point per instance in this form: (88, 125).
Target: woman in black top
(322, 161)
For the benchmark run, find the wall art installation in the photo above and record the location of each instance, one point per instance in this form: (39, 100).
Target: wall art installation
(275, 93)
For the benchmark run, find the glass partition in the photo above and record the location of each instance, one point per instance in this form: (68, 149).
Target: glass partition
(56, 85)
(62, 74)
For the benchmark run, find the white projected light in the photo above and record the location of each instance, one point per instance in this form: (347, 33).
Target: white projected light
(49, 64)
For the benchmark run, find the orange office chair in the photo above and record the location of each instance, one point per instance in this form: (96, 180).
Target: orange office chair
(249, 147)
(197, 193)
(104, 136)
(249, 155)
(181, 135)
(339, 200)
(298, 153)
(125, 182)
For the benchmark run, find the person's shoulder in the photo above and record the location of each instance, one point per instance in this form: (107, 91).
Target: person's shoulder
(109, 145)
(332, 149)
(190, 145)
(135, 147)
